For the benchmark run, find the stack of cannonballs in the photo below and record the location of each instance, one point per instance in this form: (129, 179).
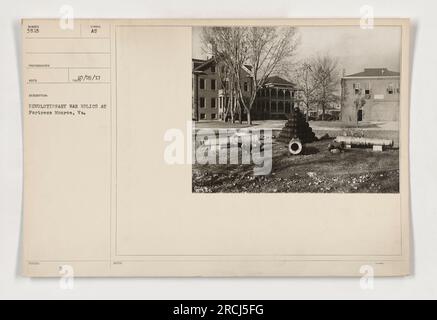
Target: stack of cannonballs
(297, 128)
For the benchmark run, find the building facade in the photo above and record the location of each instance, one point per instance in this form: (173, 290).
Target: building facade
(211, 93)
(275, 99)
(211, 89)
(371, 95)
(204, 91)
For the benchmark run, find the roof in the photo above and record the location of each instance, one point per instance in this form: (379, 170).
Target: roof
(374, 72)
(278, 81)
(198, 60)
(197, 63)
(200, 65)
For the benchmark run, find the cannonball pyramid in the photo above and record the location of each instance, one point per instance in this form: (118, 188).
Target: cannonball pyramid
(297, 128)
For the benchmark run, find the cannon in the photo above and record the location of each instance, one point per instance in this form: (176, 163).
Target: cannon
(375, 143)
(295, 146)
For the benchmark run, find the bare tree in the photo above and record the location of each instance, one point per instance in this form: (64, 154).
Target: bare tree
(224, 79)
(269, 51)
(226, 45)
(327, 79)
(359, 102)
(252, 54)
(307, 84)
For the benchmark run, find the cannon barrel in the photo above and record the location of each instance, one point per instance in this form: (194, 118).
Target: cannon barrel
(361, 141)
(295, 146)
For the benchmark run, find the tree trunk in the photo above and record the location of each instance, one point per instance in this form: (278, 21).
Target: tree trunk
(249, 119)
(225, 114)
(231, 103)
(240, 113)
(323, 111)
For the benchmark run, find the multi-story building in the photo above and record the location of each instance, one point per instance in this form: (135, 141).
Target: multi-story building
(371, 95)
(275, 99)
(211, 93)
(211, 88)
(204, 89)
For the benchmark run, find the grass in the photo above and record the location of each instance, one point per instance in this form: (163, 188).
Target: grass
(316, 170)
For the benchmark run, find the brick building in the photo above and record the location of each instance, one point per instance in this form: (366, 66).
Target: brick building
(371, 95)
(210, 93)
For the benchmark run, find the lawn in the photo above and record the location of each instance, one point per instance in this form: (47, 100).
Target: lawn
(316, 170)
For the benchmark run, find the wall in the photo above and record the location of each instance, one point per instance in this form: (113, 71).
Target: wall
(379, 105)
(208, 75)
(207, 93)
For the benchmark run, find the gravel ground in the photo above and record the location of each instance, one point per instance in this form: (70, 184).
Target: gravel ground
(316, 170)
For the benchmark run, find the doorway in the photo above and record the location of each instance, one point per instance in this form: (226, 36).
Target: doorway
(360, 115)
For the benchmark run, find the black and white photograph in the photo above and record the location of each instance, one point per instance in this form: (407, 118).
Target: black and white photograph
(220, 159)
(305, 109)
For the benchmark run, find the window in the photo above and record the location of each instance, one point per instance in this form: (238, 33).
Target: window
(367, 94)
(213, 69)
(390, 89)
(274, 106)
(281, 107)
(202, 102)
(202, 116)
(202, 83)
(357, 88)
(213, 103)
(287, 107)
(212, 84)
(223, 69)
(245, 87)
(213, 116)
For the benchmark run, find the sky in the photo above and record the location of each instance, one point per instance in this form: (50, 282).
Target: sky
(354, 48)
